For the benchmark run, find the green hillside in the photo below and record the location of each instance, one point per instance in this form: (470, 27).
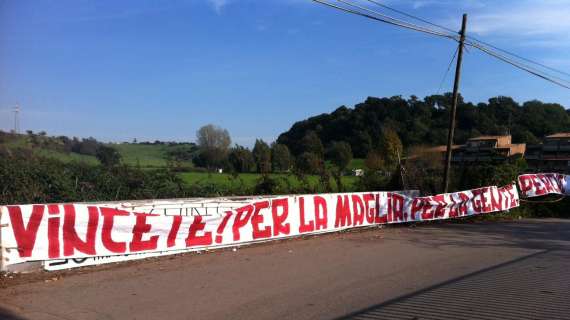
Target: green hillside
(66, 150)
(66, 157)
(43, 146)
(146, 155)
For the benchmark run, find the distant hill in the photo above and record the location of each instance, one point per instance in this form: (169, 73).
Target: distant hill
(145, 154)
(425, 122)
(46, 146)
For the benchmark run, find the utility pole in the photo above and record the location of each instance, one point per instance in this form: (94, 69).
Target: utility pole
(454, 104)
(17, 119)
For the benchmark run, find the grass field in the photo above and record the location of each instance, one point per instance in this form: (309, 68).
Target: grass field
(23, 142)
(144, 155)
(66, 157)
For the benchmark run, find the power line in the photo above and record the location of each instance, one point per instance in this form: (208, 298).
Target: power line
(518, 63)
(400, 22)
(378, 16)
(520, 66)
(478, 45)
(470, 37)
(447, 71)
(411, 16)
(391, 21)
(520, 57)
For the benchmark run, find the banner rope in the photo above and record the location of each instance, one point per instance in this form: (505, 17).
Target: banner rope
(543, 201)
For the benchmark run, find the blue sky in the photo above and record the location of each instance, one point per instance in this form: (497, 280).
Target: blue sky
(119, 70)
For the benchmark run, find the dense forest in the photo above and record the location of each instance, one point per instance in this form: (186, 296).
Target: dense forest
(425, 122)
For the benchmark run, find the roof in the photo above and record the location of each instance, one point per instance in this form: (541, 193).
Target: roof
(488, 138)
(560, 135)
(443, 148)
(512, 145)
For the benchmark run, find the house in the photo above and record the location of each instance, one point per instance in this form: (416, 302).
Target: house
(552, 155)
(483, 149)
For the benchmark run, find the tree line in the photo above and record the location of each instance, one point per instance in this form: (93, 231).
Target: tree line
(425, 122)
(380, 130)
(214, 152)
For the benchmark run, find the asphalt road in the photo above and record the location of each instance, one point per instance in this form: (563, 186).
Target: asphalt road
(492, 270)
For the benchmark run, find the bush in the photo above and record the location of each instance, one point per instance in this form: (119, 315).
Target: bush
(25, 178)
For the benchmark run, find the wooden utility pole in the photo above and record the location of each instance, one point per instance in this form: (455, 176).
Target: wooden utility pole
(454, 105)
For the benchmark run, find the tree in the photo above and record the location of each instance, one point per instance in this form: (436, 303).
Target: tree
(241, 159)
(374, 161)
(424, 170)
(214, 144)
(213, 137)
(280, 157)
(425, 122)
(108, 156)
(177, 155)
(310, 163)
(182, 152)
(88, 146)
(312, 143)
(340, 154)
(362, 143)
(391, 146)
(262, 156)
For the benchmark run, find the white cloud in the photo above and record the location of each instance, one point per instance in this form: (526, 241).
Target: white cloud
(218, 5)
(527, 20)
(421, 4)
(542, 23)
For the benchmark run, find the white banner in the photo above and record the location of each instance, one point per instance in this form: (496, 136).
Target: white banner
(69, 233)
(68, 263)
(539, 184)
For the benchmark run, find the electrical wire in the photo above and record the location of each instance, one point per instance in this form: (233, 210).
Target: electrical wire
(519, 57)
(391, 21)
(521, 66)
(412, 16)
(447, 71)
(477, 45)
(470, 41)
(416, 27)
(469, 37)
